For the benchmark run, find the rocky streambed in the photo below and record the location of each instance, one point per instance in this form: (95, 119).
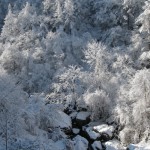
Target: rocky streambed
(93, 135)
(83, 134)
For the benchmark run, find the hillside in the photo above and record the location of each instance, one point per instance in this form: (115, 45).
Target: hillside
(75, 74)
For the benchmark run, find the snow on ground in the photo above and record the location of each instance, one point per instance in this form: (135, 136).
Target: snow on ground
(114, 145)
(144, 146)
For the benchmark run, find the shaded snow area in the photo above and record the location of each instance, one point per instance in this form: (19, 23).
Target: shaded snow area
(97, 145)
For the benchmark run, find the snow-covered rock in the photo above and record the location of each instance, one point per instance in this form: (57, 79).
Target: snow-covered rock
(145, 146)
(56, 119)
(114, 145)
(97, 145)
(63, 120)
(60, 145)
(80, 143)
(73, 115)
(49, 116)
(83, 118)
(75, 130)
(64, 144)
(104, 129)
(91, 134)
(56, 134)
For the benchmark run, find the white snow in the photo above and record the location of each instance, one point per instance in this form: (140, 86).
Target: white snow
(60, 145)
(64, 144)
(97, 145)
(114, 145)
(75, 130)
(92, 134)
(55, 53)
(51, 115)
(104, 128)
(83, 115)
(145, 56)
(63, 120)
(145, 146)
(80, 143)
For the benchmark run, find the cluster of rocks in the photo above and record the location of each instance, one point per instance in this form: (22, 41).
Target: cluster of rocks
(94, 135)
(83, 134)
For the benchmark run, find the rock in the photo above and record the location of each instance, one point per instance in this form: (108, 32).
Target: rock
(105, 131)
(145, 146)
(83, 118)
(69, 108)
(114, 145)
(97, 145)
(75, 130)
(81, 105)
(104, 137)
(73, 118)
(80, 143)
(60, 145)
(56, 134)
(63, 121)
(54, 119)
(92, 135)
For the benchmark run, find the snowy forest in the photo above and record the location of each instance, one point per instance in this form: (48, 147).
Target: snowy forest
(74, 74)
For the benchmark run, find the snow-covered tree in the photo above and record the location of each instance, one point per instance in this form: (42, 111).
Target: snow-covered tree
(39, 42)
(99, 104)
(11, 103)
(144, 30)
(133, 108)
(139, 94)
(131, 9)
(143, 19)
(26, 49)
(97, 55)
(99, 59)
(106, 12)
(68, 87)
(10, 26)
